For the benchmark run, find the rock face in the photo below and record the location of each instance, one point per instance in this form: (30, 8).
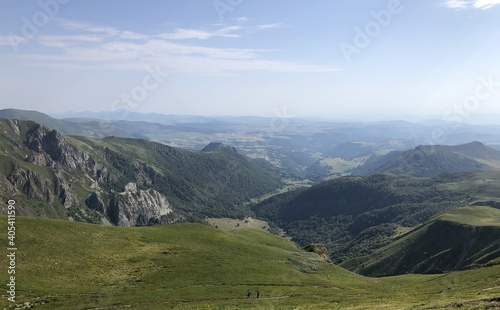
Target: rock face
(51, 150)
(66, 172)
(33, 184)
(137, 208)
(94, 201)
(319, 249)
(131, 207)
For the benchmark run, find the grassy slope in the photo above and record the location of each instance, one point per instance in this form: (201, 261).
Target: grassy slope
(483, 185)
(468, 236)
(228, 224)
(64, 265)
(473, 216)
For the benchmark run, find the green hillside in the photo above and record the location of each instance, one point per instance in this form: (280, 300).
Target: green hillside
(202, 183)
(431, 160)
(460, 238)
(68, 265)
(355, 216)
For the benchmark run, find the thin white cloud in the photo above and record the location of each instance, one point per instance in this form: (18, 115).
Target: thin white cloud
(78, 38)
(183, 34)
(102, 47)
(469, 4)
(455, 4)
(132, 35)
(197, 65)
(485, 4)
(64, 41)
(97, 29)
(12, 39)
(85, 26)
(270, 26)
(242, 19)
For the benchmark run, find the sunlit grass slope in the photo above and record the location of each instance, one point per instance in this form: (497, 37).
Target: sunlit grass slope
(65, 265)
(458, 239)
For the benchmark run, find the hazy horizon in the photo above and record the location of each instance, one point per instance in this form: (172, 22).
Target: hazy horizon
(369, 60)
(125, 114)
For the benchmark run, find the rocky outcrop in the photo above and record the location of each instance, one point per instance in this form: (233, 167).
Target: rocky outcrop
(129, 208)
(319, 249)
(58, 174)
(132, 207)
(51, 150)
(63, 191)
(94, 201)
(40, 159)
(33, 184)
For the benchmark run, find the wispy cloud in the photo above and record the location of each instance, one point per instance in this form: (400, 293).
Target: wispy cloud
(85, 26)
(182, 34)
(469, 4)
(70, 38)
(11, 39)
(97, 29)
(485, 4)
(456, 4)
(87, 46)
(132, 35)
(242, 19)
(270, 26)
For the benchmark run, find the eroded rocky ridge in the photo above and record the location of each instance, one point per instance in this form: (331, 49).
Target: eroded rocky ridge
(50, 170)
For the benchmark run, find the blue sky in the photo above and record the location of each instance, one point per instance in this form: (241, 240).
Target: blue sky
(337, 59)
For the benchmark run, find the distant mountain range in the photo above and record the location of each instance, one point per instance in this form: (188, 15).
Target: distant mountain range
(296, 147)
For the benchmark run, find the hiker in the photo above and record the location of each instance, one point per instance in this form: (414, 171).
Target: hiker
(258, 294)
(249, 294)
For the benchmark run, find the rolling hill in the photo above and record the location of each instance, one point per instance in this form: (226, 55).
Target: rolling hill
(460, 238)
(355, 216)
(431, 160)
(68, 265)
(423, 161)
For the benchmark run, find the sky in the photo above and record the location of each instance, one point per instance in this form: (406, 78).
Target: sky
(364, 59)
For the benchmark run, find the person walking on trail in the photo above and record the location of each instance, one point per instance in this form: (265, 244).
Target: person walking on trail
(249, 294)
(258, 294)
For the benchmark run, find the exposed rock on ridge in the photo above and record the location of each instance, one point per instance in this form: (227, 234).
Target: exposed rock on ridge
(137, 208)
(65, 165)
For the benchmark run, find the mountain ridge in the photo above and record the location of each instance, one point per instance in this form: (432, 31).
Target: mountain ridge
(63, 172)
(459, 239)
(431, 160)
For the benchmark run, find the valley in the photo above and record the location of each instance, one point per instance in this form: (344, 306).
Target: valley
(189, 212)
(232, 155)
